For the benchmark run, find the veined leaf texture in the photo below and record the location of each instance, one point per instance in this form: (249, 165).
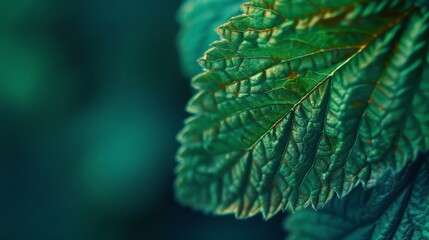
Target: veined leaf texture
(397, 208)
(301, 100)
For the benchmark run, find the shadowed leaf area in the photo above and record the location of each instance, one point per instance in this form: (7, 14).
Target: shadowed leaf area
(301, 100)
(397, 208)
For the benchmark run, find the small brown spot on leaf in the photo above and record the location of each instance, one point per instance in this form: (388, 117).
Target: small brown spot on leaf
(292, 75)
(396, 149)
(357, 104)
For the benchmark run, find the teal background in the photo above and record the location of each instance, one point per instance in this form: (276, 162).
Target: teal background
(91, 98)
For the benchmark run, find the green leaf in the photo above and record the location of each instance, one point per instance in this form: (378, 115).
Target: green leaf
(304, 99)
(198, 20)
(397, 208)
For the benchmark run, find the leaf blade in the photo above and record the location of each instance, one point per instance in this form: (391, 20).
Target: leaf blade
(255, 114)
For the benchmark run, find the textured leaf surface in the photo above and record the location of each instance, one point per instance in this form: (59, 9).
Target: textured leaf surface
(198, 20)
(397, 208)
(304, 99)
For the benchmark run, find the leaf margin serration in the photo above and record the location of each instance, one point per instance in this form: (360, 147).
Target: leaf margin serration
(242, 211)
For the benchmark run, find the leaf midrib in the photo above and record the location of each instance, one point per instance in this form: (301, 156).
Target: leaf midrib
(362, 48)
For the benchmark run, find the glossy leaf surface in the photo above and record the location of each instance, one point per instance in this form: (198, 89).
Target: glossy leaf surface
(397, 208)
(304, 99)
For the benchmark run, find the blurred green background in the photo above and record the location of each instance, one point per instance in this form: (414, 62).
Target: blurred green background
(91, 98)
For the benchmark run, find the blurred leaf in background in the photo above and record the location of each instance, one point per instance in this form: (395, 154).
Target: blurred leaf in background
(198, 20)
(89, 112)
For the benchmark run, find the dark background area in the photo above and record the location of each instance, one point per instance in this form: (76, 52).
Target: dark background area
(91, 98)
